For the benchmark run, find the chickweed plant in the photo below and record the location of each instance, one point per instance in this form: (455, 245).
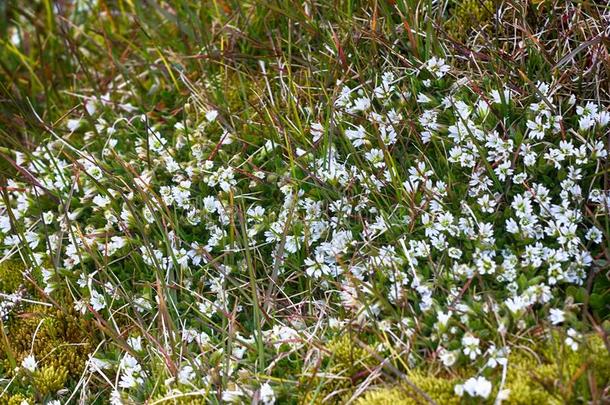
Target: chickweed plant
(304, 202)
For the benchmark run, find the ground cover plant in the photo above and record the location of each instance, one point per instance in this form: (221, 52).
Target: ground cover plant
(304, 202)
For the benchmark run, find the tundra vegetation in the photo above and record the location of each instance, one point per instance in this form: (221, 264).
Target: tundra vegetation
(304, 202)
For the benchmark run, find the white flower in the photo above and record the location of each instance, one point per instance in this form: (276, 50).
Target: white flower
(132, 374)
(91, 106)
(47, 217)
(586, 122)
(454, 253)
(589, 109)
(129, 362)
(375, 156)
(232, 396)
(316, 131)
(537, 127)
(202, 339)
(80, 306)
(556, 316)
(423, 99)
(603, 118)
(135, 343)
(594, 235)
(475, 387)
(316, 267)
(115, 398)
(94, 364)
(437, 67)
(238, 352)
(211, 115)
(496, 356)
(29, 363)
(572, 339)
(5, 223)
(443, 318)
(186, 375)
(471, 346)
(361, 104)
(73, 124)
(101, 201)
(512, 226)
(448, 357)
(387, 134)
(497, 98)
(356, 136)
(141, 304)
(517, 304)
(189, 335)
(281, 334)
(97, 300)
(267, 395)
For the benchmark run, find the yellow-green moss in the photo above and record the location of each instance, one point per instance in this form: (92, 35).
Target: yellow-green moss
(59, 339)
(50, 379)
(383, 396)
(347, 360)
(571, 370)
(348, 354)
(16, 399)
(599, 358)
(468, 15)
(551, 377)
(558, 374)
(527, 381)
(523, 389)
(62, 339)
(11, 275)
(438, 389)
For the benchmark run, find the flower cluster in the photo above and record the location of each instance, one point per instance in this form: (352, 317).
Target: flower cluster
(447, 217)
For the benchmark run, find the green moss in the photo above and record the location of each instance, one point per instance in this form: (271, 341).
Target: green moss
(527, 381)
(348, 354)
(599, 358)
(383, 396)
(63, 339)
(438, 389)
(49, 379)
(469, 15)
(348, 362)
(17, 399)
(11, 276)
(573, 371)
(555, 375)
(59, 341)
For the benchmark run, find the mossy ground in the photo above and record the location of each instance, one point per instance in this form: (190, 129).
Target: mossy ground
(551, 374)
(60, 339)
(105, 80)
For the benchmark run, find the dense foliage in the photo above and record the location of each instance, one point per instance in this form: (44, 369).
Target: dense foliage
(384, 202)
